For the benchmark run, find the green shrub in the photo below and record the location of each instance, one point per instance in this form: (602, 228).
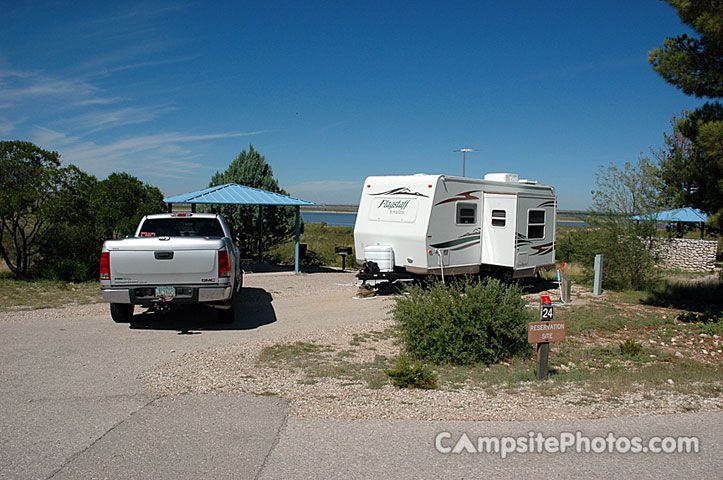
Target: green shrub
(630, 348)
(463, 324)
(628, 263)
(709, 321)
(713, 328)
(577, 245)
(406, 375)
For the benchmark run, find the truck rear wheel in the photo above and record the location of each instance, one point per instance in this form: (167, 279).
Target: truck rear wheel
(121, 312)
(239, 282)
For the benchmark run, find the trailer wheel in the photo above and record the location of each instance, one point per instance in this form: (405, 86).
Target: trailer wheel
(121, 312)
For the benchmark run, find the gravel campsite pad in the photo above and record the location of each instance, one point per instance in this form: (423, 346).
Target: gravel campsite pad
(339, 373)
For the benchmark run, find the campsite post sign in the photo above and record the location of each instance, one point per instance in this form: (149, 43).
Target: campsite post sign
(544, 332)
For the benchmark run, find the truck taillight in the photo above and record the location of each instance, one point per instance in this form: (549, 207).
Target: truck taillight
(105, 266)
(224, 264)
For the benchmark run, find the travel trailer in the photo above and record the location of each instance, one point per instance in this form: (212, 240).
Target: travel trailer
(418, 225)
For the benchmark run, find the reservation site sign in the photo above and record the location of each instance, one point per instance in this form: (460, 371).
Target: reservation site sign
(544, 332)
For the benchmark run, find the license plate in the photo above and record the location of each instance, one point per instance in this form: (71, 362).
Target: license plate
(166, 292)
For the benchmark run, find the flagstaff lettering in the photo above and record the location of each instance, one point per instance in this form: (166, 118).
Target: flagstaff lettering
(398, 210)
(394, 206)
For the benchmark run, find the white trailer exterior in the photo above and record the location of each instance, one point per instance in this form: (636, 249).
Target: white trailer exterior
(443, 225)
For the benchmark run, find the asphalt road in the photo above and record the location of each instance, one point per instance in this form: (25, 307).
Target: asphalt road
(73, 407)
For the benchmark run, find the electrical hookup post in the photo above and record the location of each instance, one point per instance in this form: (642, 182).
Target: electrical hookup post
(544, 332)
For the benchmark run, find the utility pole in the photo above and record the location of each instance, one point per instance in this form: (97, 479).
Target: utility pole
(464, 151)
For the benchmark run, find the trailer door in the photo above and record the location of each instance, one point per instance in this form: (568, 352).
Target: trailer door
(498, 229)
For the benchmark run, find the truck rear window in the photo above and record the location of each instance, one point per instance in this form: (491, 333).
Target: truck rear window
(181, 227)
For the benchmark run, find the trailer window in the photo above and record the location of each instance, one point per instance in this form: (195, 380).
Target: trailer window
(499, 218)
(536, 224)
(466, 214)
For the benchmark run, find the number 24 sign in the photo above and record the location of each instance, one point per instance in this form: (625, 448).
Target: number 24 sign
(547, 330)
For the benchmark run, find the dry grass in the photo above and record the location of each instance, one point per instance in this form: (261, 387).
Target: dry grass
(674, 356)
(321, 240)
(34, 294)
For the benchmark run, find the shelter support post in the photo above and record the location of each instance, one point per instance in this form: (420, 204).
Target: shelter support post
(702, 230)
(193, 207)
(297, 232)
(170, 208)
(260, 225)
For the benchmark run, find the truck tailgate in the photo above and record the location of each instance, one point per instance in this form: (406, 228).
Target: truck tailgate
(163, 267)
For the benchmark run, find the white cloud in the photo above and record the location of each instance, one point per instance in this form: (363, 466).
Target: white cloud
(148, 63)
(95, 121)
(46, 137)
(98, 101)
(138, 153)
(24, 89)
(39, 86)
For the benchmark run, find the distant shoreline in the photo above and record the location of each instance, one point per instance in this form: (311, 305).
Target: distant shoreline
(331, 208)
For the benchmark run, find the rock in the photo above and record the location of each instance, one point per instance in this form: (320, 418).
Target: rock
(678, 354)
(670, 381)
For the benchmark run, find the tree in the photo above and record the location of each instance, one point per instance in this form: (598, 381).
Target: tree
(250, 168)
(691, 163)
(121, 200)
(72, 246)
(30, 180)
(633, 189)
(86, 213)
(695, 65)
(627, 245)
(53, 219)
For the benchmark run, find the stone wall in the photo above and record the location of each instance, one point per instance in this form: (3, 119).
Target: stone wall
(687, 254)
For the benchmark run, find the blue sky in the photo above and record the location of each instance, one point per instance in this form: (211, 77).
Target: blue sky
(332, 92)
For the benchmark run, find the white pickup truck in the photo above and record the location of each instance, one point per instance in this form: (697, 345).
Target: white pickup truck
(174, 258)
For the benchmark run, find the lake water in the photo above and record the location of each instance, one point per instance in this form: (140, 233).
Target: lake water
(347, 219)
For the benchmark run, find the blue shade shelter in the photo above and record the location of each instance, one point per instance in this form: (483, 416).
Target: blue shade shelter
(679, 215)
(235, 194)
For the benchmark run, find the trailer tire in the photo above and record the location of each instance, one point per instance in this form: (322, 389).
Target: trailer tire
(121, 312)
